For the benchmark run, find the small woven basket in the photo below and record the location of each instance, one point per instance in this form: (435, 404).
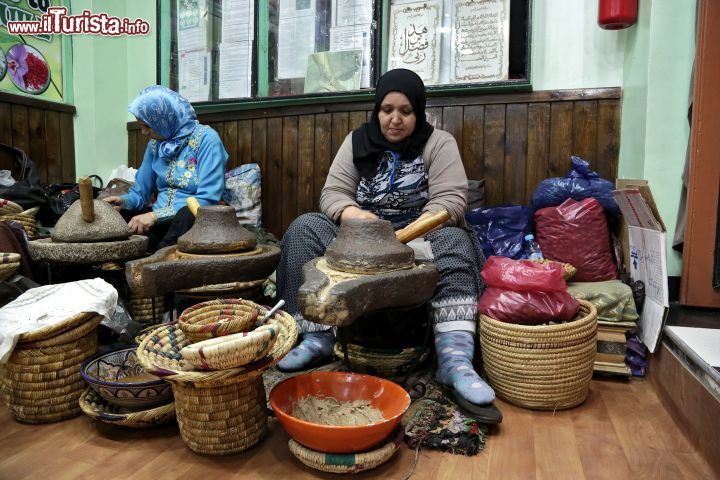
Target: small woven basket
(217, 318)
(382, 362)
(25, 218)
(541, 367)
(229, 351)
(219, 412)
(41, 381)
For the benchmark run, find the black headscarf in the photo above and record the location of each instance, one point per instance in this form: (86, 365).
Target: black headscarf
(369, 143)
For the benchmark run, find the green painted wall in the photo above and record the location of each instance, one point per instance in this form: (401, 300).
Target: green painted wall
(656, 81)
(108, 72)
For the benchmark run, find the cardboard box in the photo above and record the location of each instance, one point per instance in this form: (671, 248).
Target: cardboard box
(645, 255)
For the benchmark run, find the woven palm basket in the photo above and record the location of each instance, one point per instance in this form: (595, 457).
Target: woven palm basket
(219, 412)
(41, 381)
(147, 309)
(542, 367)
(217, 318)
(9, 208)
(345, 463)
(25, 218)
(9, 264)
(96, 407)
(383, 362)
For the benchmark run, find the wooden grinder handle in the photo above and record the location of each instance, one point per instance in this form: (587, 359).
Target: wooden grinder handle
(418, 228)
(86, 199)
(193, 205)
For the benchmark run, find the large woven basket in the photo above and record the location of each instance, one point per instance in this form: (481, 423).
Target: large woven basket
(41, 381)
(219, 412)
(542, 367)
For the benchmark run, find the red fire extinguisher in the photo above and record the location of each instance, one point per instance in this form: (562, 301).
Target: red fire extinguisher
(617, 14)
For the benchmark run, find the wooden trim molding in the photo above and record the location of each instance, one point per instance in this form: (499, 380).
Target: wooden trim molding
(36, 103)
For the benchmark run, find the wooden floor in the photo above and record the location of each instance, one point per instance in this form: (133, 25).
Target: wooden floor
(622, 431)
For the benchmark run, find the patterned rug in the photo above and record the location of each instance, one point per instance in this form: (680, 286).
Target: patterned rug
(433, 420)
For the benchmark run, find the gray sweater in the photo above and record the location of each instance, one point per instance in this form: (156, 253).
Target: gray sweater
(447, 182)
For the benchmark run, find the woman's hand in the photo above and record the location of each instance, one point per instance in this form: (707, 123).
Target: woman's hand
(115, 201)
(141, 223)
(355, 212)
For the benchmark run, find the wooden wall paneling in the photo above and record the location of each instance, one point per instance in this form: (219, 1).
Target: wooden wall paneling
(289, 170)
(20, 137)
(5, 123)
(141, 143)
(67, 147)
(608, 138)
(244, 146)
(473, 135)
(258, 154)
(357, 119)
(494, 154)
(585, 131)
(230, 141)
(272, 192)
(323, 157)
(516, 141)
(538, 148)
(434, 116)
(37, 146)
(453, 123)
(305, 164)
(561, 138)
(52, 144)
(340, 130)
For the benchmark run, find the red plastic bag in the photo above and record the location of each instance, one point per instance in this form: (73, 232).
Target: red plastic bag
(577, 233)
(503, 272)
(527, 307)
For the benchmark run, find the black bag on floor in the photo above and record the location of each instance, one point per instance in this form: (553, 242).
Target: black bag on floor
(26, 191)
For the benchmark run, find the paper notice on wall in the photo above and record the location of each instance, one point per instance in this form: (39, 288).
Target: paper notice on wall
(235, 70)
(296, 37)
(352, 12)
(194, 74)
(354, 37)
(192, 25)
(238, 21)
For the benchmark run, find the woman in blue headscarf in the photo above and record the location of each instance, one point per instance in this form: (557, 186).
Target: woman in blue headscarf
(182, 159)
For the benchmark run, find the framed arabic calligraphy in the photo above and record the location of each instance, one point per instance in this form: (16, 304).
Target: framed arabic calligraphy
(414, 41)
(480, 41)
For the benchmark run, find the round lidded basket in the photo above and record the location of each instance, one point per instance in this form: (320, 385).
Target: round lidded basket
(41, 381)
(216, 318)
(219, 412)
(541, 367)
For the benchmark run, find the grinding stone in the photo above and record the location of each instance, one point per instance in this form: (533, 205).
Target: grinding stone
(108, 225)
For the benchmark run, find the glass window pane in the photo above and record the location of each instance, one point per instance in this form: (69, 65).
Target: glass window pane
(212, 44)
(450, 41)
(319, 46)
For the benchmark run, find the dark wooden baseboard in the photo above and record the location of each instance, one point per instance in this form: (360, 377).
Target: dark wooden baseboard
(693, 407)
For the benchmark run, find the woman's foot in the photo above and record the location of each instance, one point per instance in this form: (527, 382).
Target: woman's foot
(455, 352)
(313, 348)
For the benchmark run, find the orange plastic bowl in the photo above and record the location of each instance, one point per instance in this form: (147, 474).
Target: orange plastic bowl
(388, 397)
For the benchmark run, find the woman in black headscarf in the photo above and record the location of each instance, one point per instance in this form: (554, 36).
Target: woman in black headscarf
(397, 167)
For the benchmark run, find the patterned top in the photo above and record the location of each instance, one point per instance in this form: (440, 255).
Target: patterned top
(197, 171)
(398, 191)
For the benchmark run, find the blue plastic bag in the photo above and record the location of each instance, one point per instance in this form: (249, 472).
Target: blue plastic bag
(501, 230)
(580, 183)
(242, 191)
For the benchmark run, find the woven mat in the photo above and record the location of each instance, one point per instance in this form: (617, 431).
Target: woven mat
(432, 420)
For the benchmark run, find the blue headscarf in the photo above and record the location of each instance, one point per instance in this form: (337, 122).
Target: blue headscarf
(169, 114)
